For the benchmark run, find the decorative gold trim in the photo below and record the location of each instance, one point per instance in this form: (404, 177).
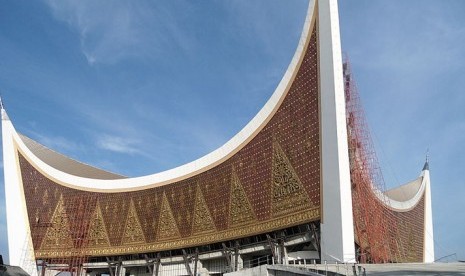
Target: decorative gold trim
(271, 225)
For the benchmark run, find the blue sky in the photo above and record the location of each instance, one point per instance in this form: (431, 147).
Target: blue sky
(137, 87)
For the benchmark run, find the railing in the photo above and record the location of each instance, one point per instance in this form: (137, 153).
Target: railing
(329, 269)
(263, 260)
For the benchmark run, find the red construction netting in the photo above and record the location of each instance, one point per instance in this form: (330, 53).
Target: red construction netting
(372, 221)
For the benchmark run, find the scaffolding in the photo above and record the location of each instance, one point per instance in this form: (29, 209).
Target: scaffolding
(372, 221)
(65, 234)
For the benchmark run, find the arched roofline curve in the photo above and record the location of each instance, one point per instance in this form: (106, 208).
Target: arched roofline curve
(192, 168)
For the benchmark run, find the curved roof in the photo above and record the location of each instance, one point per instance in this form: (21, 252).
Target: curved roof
(80, 176)
(405, 197)
(406, 191)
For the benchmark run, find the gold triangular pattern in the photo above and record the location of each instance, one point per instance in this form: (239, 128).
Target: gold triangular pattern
(202, 220)
(97, 235)
(58, 235)
(287, 192)
(240, 210)
(133, 231)
(167, 228)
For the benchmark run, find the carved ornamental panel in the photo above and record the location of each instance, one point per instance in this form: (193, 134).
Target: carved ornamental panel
(288, 194)
(58, 235)
(240, 210)
(132, 230)
(98, 236)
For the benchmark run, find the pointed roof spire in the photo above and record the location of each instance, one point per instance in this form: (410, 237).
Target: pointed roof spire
(3, 111)
(426, 166)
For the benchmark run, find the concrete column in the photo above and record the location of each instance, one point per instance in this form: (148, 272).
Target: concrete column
(20, 248)
(240, 261)
(337, 226)
(428, 254)
(286, 256)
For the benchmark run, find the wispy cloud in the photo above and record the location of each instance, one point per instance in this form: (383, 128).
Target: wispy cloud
(110, 31)
(118, 144)
(58, 143)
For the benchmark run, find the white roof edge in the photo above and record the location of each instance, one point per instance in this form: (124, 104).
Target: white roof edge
(407, 205)
(197, 166)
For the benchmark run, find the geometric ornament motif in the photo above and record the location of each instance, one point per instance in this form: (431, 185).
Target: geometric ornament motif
(97, 235)
(240, 210)
(202, 220)
(167, 228)
(287, 192)
(133, 231)
(58, 235)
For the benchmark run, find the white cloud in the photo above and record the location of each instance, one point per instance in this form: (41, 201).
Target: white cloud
(118, 144)
(110, 31)
(57, 143)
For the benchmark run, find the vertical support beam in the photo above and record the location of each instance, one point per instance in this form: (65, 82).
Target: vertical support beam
(196, 259)
(149, 264)
(43, 268)
(20, 248)
(284, 257)
(157, 264)
(112, 267)
(186, 262)
(428, 254)
(227, 255)
(282, 249)
(337, 227)
(236, 256)
(315, 235)
(274, 252)
(79, 270)
(121, 270)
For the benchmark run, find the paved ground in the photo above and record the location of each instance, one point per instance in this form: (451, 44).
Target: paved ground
(443, 269)
(416, 269)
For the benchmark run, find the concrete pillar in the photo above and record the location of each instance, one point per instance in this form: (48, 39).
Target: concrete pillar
(337, 226)
(285, 256)
(240, 261)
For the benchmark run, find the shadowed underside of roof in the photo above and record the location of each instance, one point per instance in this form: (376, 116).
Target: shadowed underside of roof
(66, 164)
(406, 191)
